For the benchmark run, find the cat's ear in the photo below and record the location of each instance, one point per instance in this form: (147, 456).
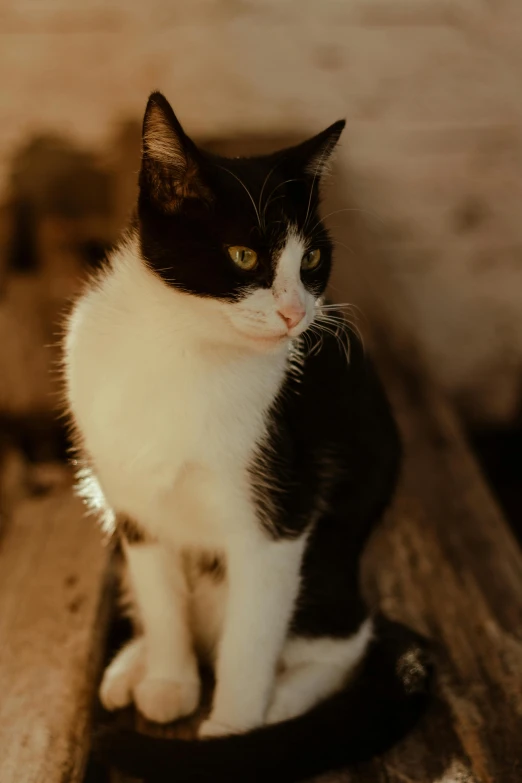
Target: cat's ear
(314, 155)
(170, 170)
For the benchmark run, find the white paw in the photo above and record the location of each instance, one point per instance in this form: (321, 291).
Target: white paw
(162, 700)
(121, 676)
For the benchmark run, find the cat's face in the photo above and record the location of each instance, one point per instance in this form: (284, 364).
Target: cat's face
(241, 238)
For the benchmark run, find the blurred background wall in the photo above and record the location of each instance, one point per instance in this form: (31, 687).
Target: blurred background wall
(431, 158)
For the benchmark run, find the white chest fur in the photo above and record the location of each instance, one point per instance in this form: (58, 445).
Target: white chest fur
(170, 426)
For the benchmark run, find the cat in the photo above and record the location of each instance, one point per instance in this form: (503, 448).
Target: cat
(234, 435)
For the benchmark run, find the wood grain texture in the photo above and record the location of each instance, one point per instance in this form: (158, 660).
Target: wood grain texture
(54, 603)
(445, 562)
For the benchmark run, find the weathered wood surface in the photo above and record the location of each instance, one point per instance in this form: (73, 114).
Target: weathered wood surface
(53, 616)
(445, 562)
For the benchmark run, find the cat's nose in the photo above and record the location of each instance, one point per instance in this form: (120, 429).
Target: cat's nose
(292, 315)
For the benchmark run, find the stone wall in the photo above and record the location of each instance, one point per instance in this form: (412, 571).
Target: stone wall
(432, 155)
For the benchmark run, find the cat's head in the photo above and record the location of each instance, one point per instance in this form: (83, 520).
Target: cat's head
(241, 238)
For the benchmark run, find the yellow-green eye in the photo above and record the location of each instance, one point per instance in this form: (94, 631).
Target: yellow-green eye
(243, 257)
(311, 260)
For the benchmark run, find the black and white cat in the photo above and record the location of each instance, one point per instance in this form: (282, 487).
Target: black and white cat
(237, 438)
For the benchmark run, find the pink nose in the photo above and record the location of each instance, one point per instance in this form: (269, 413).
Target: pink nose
(292, 315)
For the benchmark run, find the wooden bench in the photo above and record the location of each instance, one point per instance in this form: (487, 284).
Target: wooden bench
(443, 561)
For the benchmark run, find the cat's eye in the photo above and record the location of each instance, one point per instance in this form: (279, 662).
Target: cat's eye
(311, 260)
(243, 257)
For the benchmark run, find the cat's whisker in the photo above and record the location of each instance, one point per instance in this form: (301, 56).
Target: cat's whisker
(271, 201)
(325, 217)
(346, 247)
(335, 305)
(262, 191)
(326, 152)
(286, 182)
(345, 209)
(336, 338)
(336, 326)
(356, 320)
(315, 330)
(350, 209)
(304, 337)
(309, 336)
(245, 188)
(346, 308)
(345, 321)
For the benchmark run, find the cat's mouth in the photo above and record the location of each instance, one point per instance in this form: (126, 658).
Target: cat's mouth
(260, 334)
(269, 339)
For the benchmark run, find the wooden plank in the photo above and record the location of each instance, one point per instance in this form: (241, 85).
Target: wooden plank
(54, 603)
(445, 562)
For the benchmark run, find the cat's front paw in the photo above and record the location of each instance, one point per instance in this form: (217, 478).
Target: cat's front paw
(162, 701)
(122, 675)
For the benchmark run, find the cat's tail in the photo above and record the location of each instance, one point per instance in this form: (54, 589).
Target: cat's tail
(372, 714)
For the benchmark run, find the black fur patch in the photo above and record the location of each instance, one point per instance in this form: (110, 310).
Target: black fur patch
(131, 531)
(330, 463)
(193, 207)
(212, 565)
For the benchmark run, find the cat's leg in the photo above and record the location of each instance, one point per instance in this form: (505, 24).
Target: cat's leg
(263, 582)
(170, 686)
(208, 607)
(314, 669)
